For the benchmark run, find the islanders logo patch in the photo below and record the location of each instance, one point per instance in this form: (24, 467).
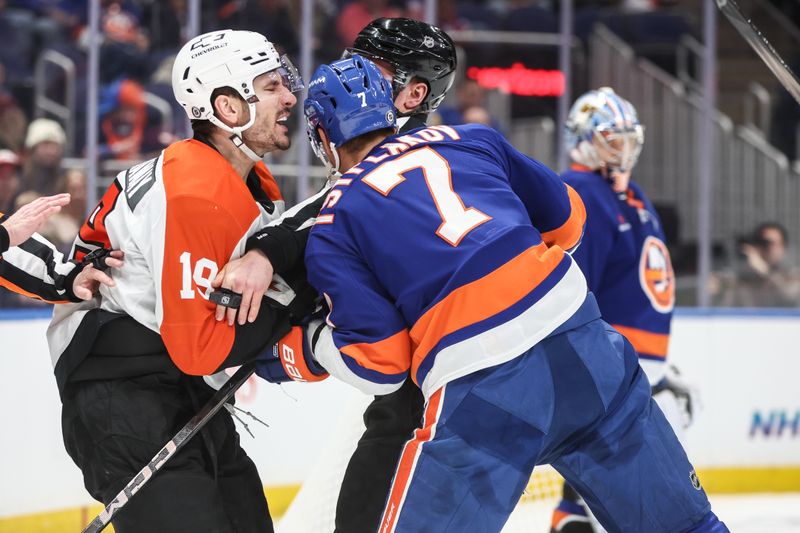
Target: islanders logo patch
(656, 275)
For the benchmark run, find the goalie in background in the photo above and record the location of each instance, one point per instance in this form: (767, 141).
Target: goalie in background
(443, 256)
(623, 256)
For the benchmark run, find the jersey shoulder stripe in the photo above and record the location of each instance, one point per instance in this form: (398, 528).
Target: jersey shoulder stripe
(569, 234)
(268, 182)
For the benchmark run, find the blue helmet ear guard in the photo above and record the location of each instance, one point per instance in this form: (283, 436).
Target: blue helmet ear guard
(347, 98)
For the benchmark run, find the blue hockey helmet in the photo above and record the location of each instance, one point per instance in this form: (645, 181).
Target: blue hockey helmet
(603, 130)
(347, 98)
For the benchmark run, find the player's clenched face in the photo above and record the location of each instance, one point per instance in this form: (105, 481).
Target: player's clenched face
(270, 130)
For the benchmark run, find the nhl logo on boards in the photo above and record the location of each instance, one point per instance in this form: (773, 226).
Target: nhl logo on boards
(695, 480)
(427, 42)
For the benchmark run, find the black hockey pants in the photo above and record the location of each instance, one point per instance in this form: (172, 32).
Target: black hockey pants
(391, 421)
(112, 428)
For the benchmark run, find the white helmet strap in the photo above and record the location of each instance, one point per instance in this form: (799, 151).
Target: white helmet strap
(236, 137)
(240, 144)
(333, 167)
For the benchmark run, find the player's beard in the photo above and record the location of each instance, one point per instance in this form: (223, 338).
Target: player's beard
(283, 140)
(275, 139)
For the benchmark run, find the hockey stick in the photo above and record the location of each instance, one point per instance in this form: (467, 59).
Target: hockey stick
(171, 448)
(761, 45)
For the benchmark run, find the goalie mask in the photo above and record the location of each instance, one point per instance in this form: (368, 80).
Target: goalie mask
(603, 132)
(347, 98)
(227, 58)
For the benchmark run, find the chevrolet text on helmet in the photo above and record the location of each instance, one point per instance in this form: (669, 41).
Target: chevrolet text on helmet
(227, 58)
(603, 120)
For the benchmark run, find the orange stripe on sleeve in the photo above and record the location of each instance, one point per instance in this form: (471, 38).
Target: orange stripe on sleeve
(483, 298)
(645, 342)
(14, 288)
(407, 463)
(569, 234)
(388, 356)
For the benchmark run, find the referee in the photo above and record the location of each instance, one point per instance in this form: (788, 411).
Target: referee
(33, 267)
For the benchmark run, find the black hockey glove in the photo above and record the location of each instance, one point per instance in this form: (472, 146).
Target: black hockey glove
(96, 258)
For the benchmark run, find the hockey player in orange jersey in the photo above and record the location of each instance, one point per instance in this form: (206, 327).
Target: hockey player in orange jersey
(129, 364)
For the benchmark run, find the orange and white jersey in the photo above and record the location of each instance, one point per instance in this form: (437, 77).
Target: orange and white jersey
(179, 218)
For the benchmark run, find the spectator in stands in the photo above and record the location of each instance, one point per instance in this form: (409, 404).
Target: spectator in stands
(448, 16)
(762, 278)
(357, 14)
(123, 116)
(125, 48)
(17, 44)
(68, 15)
(9, 180)
(12, 119)
(268, 17)
(162, 19)
(44, 145)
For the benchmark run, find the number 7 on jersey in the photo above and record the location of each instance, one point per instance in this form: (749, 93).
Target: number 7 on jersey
(457, 220)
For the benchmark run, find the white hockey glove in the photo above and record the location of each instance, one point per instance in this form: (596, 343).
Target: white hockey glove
(685, 395)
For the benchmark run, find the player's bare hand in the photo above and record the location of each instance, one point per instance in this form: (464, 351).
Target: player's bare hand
(249, 276)
(89, 280)
(30, 217)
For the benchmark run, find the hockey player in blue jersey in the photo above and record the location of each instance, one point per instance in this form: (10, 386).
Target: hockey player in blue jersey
(623, 255)
(442, 254)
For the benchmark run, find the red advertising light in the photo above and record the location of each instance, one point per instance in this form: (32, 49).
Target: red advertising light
(520, 80)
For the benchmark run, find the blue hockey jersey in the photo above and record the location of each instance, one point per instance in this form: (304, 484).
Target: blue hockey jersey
(442, 253)
(627, 265)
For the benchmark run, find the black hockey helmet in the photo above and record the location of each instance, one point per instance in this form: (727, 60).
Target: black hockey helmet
(413, 48)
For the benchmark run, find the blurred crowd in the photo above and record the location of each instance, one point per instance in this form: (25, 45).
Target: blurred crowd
(764, 273)
(44, 53)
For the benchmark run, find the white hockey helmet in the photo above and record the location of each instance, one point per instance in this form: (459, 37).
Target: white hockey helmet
(227, 58)
(603, 130)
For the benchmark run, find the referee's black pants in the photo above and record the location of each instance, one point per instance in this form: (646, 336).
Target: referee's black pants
(391, 421)
(113, 427)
